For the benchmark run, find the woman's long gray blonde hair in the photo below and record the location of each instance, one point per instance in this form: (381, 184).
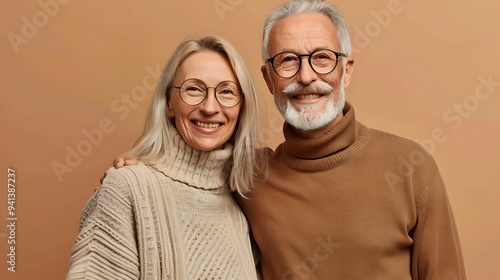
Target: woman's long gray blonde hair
(156, 137)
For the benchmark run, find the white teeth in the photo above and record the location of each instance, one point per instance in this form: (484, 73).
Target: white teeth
(307, 96)
(208, 125)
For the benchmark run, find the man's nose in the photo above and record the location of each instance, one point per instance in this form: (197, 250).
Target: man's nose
(306, 74)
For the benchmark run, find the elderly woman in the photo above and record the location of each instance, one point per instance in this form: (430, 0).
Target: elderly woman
(172, 216)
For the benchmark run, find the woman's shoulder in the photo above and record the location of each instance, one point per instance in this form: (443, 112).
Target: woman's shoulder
(128, 173)
(124, 179)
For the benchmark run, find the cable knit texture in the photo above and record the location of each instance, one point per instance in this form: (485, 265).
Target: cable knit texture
(356, 203)
(173, 220)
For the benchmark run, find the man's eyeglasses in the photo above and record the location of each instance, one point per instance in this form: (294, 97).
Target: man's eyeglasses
(194, 92)
(322, 61)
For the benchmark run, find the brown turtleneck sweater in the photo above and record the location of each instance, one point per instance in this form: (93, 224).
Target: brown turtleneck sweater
(356, 203)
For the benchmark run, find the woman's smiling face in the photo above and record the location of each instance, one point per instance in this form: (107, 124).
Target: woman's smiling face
(208, 125)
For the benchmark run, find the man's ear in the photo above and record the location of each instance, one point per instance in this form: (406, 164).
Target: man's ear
(267, 77)
(349, 68)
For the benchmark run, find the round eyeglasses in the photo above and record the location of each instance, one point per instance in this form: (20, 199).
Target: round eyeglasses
(194, 92)
(322, 61)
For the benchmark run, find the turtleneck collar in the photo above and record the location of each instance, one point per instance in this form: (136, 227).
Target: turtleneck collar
(333, 148)
(196, 168)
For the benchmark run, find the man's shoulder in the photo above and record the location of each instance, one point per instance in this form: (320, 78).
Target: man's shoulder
(392, 145)
(264, 151)
(387, 134)
(390, 138)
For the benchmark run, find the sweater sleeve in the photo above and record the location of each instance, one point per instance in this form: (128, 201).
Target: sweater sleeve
(436, 250)
(105, 247)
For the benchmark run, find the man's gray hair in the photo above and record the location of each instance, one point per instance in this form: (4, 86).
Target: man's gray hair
(297, 7)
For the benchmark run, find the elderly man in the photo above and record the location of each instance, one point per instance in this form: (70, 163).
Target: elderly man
(341, 201)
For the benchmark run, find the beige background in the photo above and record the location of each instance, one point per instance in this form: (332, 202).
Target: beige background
(76, 82)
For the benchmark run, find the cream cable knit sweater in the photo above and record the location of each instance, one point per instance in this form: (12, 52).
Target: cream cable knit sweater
(173, 220)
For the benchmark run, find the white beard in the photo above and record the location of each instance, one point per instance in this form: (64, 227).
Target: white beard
(302, 116)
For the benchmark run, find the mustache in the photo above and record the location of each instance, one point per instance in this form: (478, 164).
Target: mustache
(318, 87)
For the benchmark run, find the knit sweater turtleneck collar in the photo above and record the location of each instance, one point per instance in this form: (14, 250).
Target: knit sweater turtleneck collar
(333, 148)
(196, 168)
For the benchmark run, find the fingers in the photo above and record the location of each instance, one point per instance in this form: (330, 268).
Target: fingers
(118, 163)
(121, 162)
(131, 161)
(103, 176)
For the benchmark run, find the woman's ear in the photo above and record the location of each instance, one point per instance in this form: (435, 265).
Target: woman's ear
(170, 110)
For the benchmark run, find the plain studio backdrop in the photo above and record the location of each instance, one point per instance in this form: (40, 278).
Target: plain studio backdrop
(77, 78)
